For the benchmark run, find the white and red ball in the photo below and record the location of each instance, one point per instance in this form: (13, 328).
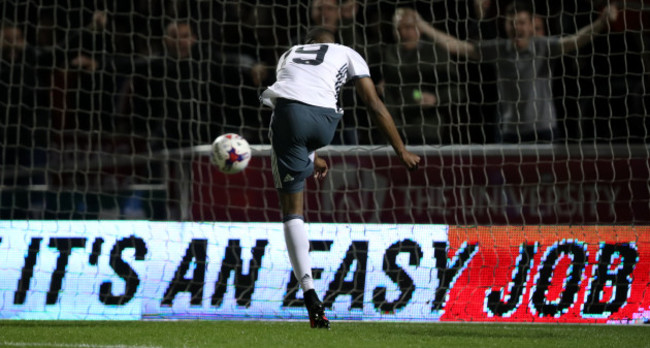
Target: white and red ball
(231, 153)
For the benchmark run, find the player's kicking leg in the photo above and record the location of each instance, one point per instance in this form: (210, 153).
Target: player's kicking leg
(290, 184)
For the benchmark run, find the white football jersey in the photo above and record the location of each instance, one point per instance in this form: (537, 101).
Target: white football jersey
(314, 74)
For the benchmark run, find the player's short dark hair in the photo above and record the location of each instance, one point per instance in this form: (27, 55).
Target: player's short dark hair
(519, 6)
(316, 33)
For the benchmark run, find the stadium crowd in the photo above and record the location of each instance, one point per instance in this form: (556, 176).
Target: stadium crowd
(144, 76)
(92, 68)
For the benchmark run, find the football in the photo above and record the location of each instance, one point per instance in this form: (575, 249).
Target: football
(231, 153)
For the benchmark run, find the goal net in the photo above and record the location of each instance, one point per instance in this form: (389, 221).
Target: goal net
(105, 102)
(109, 109)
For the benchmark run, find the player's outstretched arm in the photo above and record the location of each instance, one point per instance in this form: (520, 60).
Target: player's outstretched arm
(366, 89)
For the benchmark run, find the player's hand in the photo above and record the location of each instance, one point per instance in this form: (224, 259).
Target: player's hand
(320, 168)
(410, 160)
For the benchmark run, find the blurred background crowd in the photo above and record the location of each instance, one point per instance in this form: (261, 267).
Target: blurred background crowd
(89, 78)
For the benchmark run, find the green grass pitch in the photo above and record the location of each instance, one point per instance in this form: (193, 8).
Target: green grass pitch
(249, 334)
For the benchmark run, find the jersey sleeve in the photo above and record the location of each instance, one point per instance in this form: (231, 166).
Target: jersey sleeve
(357, 66)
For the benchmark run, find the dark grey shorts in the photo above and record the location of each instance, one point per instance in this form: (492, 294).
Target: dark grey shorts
(297, 130)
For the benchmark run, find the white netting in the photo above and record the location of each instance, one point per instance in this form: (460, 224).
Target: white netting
(101, 111)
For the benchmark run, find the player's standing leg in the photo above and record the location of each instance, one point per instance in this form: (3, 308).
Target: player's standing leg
(297, 242)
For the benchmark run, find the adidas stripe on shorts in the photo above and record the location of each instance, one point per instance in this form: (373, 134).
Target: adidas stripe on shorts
(297, 130)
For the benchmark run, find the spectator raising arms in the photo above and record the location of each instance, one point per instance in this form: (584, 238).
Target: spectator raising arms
(419, 82)
(526, 112)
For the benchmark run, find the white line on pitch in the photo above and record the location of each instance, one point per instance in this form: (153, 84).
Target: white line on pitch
(68, 345)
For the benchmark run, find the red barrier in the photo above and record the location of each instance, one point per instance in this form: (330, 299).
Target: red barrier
(454, 189)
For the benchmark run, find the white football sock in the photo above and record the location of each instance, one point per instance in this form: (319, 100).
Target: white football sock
(297, 242)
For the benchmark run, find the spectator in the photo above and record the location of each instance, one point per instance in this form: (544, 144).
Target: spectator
(23, 122)
(419, 83)
(526, 109)
(539, 26)
(84, 80)
(482, 23)
(168, 96)
(612, 71)
(19, 87)
(338, 16)
(243, 69)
